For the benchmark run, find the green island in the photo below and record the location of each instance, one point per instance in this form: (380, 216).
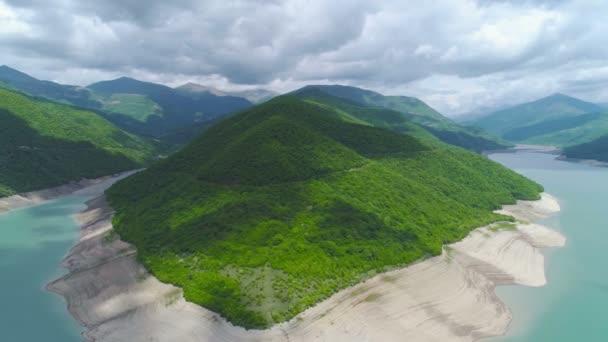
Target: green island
(45, 144)
(279, 206)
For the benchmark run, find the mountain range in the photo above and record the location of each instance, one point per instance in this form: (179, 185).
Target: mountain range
(558, 120)
(143, 108)
(411, 109)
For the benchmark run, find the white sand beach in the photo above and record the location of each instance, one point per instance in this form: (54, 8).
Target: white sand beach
(445, 298)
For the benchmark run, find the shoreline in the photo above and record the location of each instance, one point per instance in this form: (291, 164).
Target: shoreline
(85, 187)
(590, 162)
(547, 149)
(449, 297)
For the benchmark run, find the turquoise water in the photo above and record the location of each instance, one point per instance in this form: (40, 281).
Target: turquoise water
(574, 304)
(33, 241)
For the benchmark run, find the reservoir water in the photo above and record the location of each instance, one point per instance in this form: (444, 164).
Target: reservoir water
(574, 304)
(33, 242)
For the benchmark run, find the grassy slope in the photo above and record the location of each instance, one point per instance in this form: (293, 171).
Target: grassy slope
(157, 110)
(44, 144)
(596, 149)
(280, 206)
(414, 110)
(135, 106)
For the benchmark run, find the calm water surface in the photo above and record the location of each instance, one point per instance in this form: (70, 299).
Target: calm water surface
(574, 304)
(33, 241)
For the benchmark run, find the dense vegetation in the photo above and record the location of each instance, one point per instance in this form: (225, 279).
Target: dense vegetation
(416, 111)
(596, 149)
(280, 206)
(44, 144)
(555, 120)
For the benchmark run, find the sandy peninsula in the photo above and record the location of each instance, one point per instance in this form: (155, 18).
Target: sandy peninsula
(445, 298)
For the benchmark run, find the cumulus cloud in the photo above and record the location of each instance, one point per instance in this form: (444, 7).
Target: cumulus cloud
(456, 54)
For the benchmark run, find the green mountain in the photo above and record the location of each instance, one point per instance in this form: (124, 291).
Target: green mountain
(414, 110)
(255, 96)
(279, 206)
(555, 120)
(154, 109)
(139, 107)
(17, 80)
(45, 144)
(596, 149)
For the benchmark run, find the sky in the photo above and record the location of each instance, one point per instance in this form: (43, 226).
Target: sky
(457, 55)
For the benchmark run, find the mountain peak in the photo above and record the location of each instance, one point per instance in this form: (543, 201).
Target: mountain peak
(6, 70)
(198, 88)
(560, 96)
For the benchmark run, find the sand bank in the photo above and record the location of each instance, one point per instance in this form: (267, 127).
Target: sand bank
(446, 298)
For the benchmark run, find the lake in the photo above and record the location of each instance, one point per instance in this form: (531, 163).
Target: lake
(33, 241)
(573, 305)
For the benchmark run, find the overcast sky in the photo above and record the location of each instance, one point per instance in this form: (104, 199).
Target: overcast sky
(458, 55)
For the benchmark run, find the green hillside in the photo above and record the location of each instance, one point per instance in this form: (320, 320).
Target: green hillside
(414, 110)
(45, 144)
(596, 149)
(278, 207)
(555, 120)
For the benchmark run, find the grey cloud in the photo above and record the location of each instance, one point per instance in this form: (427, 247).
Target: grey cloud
(458, 54)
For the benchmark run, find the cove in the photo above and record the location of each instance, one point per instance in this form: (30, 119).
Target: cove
(33, 241)
(572, 307)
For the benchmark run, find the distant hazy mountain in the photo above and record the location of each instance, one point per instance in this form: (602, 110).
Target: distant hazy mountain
(156, 110)
(254, 95)
(45, 144)
(63, 93)
(140, 107)
(555, 120)
(281, 205)
(468, 117)
(414, 110)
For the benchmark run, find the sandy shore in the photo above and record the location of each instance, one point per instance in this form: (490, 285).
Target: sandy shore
(84, 187)
(446, 298)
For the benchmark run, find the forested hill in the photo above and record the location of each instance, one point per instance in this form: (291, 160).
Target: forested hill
(45, 144)
(413, 110)
(279, 206)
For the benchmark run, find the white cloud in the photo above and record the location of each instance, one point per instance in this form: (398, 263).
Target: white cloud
(456, 54)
